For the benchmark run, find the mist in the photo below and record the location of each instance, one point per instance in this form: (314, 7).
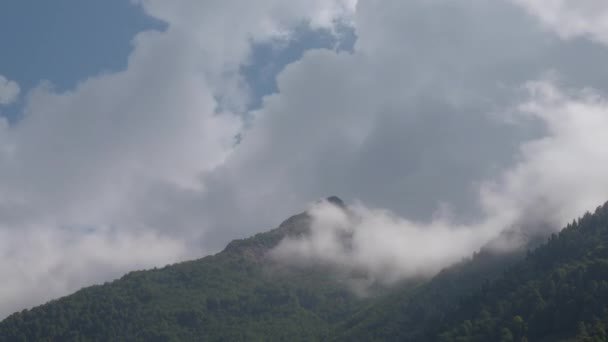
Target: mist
(379, 244)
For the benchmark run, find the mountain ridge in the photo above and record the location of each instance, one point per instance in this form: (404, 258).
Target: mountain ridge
(240, 294)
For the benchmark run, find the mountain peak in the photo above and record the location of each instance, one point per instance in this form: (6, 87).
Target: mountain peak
(335, 200)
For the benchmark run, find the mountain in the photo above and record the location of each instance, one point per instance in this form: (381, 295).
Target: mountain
(237, 294)
(558, 291)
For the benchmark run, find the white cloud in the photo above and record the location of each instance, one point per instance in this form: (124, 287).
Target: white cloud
(572, 18)
(396, 123)
(563, 174)
(9, 91)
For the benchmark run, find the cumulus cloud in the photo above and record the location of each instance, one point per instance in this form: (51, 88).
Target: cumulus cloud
(9, 91)
(413, 119)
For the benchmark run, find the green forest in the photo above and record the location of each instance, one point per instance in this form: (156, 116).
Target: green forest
(555, 292)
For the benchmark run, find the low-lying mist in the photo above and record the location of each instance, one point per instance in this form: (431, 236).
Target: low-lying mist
(380, 245)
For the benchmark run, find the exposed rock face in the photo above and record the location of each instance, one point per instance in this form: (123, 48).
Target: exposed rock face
(336, 201)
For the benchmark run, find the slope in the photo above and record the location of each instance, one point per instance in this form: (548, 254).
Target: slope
(559, 292)
(237, 294)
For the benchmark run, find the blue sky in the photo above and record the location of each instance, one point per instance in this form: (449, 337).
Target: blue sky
(66, 41)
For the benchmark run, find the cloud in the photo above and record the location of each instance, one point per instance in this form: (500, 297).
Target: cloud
(562, 174)
(412, 120)
(570, 19)
(9, 91)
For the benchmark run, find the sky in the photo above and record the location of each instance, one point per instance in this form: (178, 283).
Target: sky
(136, 134)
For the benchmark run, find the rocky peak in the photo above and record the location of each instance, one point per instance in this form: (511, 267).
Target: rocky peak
(335, 200)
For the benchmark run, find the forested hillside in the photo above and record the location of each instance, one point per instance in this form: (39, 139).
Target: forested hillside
(560, 292)
(234, 295)
(557, 292)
